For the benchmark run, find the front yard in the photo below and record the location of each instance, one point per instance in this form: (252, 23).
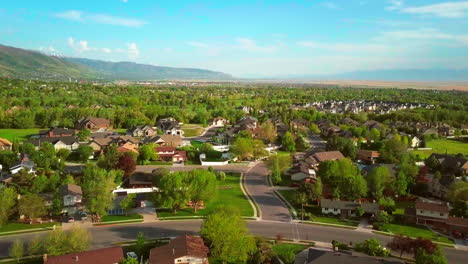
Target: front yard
(229, 194)
(415, 232)
(451, 146)
(19, 227)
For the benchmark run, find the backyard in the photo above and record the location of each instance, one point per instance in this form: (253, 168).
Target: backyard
(192, 130)
(20, 134)
(451, 146)
(229, 193)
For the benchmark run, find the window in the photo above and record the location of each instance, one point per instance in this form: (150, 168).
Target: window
(336, 210)
(421, 211)
(441, 214)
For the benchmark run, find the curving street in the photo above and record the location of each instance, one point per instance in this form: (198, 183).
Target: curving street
(275, 221)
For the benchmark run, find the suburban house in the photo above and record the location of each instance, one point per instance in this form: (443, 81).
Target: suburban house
(165, 140)
(415, 142)
(368, 156)
(451, 164)
(219, 122)
(436, 215)
(370, 124)
(100, 144)
(68, 142)
(111, 255)
(128, 147)
(23, 164)
(93, 124)
(184, 250)
(171, 154)
(57, 132)
(169, 126)
(246, 123)
(72, 195)
(307, 168)
(299, 124)
(140, 180)
(142, 131)
(347, 208)
(327, 256)
(5, 144)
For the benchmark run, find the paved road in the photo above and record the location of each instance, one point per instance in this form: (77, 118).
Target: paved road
(105, 236)
(271, 207)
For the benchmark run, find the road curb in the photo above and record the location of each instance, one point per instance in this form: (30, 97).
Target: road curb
(256, 208)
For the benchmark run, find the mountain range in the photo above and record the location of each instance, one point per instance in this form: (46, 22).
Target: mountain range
(28, 64)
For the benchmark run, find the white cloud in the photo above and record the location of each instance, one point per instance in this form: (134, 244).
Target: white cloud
(106, 50)
(197, 44)
(444, 10)
(330, 5)
(132, 50)
(49, 50)
(79, 46)
(80, 16)
(70, 15)
(125, 1)
(346, 47)
(251, 46)
(427, 34)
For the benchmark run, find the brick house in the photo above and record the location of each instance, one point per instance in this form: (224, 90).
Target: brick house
(368, 156)
(93, 124)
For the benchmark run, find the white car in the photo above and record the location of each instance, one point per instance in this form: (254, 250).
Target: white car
(132, 255)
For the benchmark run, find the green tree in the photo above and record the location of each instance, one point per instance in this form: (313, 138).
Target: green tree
(227, 235)
(59, 242)
(140, 243)
(301, 144)
(35, 246)
(400, 185)
(110, 158)
(314, 129)
(84, 134)
(129, 260)
(460, 209)
(97, 185)
(40, 184)
(433, 163)
(423, 257)
(246, 148)
(63, 154)
(458, 191)
(147, 153)
(128, 202)
(372, 247)
(202, 188)
(377, 180)
(8, 197)
(84, 152)
(173, 191)
(16, 250)
(301, 198)
(77, 239)
(387, 203)
(32, 206)
(267, 132)
(392, 150)
(288, 142)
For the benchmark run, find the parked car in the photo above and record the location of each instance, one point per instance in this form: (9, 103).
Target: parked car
(132, 255)
(71, 219)
(83, 215)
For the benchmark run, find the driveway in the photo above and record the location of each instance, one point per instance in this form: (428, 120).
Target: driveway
(271, 207)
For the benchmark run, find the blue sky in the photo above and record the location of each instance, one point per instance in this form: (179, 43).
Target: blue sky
(247, 38)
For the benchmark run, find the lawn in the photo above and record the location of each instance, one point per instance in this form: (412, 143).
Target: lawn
(314, 211)
(229, 193)
(450, 146)
(413, 231)
(192, 130)
(20, 134)
(114, 218)
(121, 131)
(196, 143)
(283, 249)
(24, 227)
(30, 260)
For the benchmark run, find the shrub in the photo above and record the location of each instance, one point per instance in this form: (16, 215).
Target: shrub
(372, 247)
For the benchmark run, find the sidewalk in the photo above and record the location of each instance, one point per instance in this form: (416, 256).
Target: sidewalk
(148, 213)
(364, 226)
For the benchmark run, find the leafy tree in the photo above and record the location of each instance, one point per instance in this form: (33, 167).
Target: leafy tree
(97, 187)
(392, 150)
(59, 242)
(314, 129)
(77, 239)
(203, 187)
(402, 244)
(423, 257)
(387, 203)
(312, 191)
(374, 134)
(158, 173)
(276, 172)
(110, 158)
(345, 146)
(128, 202)
(246, 148)
(400, 185)
(301, 144)
(40, 183)
(227, 235)
(129, 260)
(206, 148)
(173, 191)
(23, 179)
(16, 250)
(437, 175)
(267, 132)
(377, 180)
(8, 158)
(301, 198)
(140, 243)
(383, 218)
(458, 191)
(8, 197)
(288, 142)
(84, 152)
(32, 206)
(63, 154)
(372, 247)
(84, 134)
(460, 209)
(263, 252)
(127, 164)
(344, 179)
(147, 153)
(35, 246)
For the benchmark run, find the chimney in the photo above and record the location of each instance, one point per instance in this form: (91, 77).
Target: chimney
(44, 258)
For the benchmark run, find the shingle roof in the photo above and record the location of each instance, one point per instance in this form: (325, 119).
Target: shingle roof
(5, 142)
(434, 207)
(70, 189)
(349, 205)
(99, 256)
(328, 155)
(321, 256)
(459, 221)
(178, 247)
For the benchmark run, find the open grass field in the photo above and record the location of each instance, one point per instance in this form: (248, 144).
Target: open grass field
(20, 134)
(450, 146)
(192, 130)
(284, 249)
(229, 193)
(112, 218)
(415, 232)
(24, 227)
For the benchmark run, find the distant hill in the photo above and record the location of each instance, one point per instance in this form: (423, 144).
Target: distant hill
(134, 71)
(28, 64)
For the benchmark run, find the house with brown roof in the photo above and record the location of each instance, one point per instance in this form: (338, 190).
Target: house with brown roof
(57, 132)
(72, 194)
(128, 147)
(368, 156)
(307, 169)
(218, 122)
(5, 144)
(111, 255)
(181, 250)
(142, 131)
(347, 208)
(93, 124)
(171, 154)
(165, 140)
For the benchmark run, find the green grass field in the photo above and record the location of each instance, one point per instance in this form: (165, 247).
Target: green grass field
(441, 146)
(20, 134)
(192, 130)
(415, 232)
(283, 249)
(232, 196)
(24, 227)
